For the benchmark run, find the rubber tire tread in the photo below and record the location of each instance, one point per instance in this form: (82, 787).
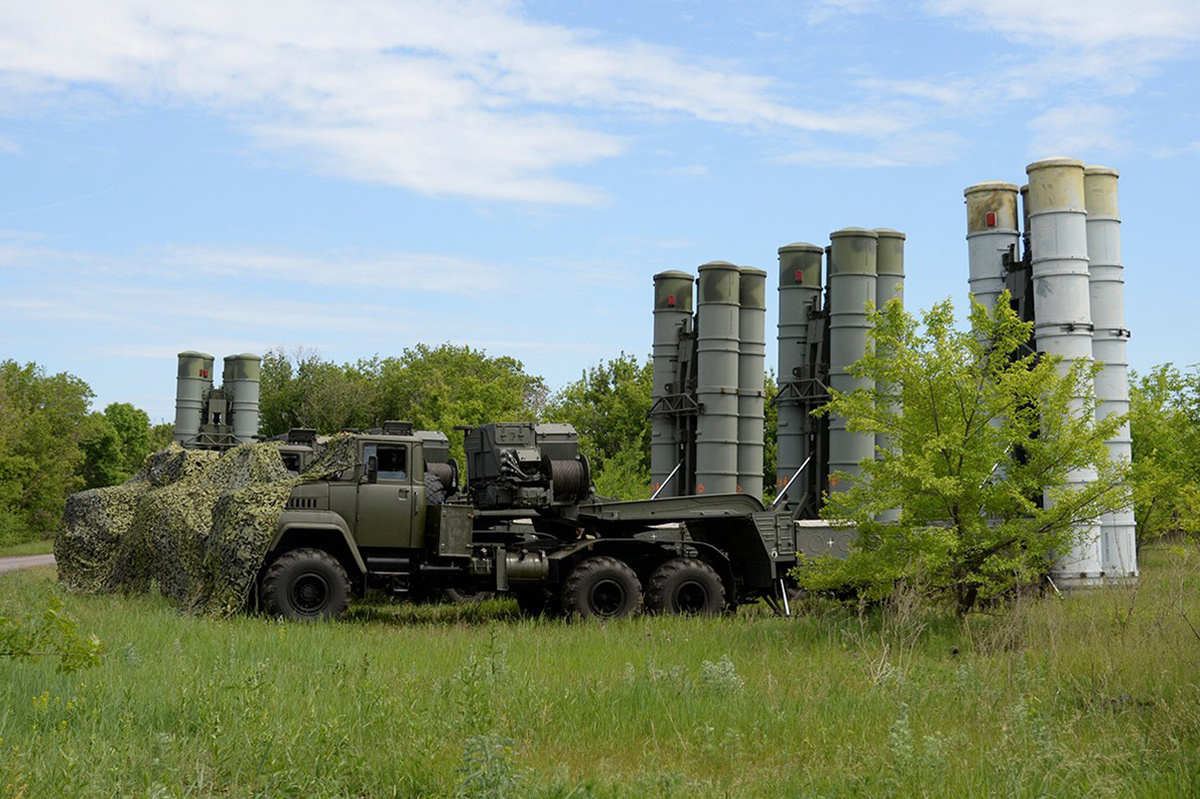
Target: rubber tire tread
(584, 576)
(291, 565)
(667, 578)
(435, 492)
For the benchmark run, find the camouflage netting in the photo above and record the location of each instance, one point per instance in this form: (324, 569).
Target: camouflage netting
(195, 523)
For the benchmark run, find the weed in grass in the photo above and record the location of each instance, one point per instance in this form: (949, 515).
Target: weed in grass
(489, 769)
(477, 682)
(721, 676)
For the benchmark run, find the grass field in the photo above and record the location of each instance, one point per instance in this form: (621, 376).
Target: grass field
(1097, 695)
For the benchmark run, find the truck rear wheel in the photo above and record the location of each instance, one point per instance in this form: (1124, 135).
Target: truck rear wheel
(686, 587)
(305, 585)
(601, 588)
(459, 596)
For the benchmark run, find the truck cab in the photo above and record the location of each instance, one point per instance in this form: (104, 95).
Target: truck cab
(364, 519)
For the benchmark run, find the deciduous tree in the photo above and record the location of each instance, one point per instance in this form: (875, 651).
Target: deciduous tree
(984, 429)
(607, 406)
(1165, 424)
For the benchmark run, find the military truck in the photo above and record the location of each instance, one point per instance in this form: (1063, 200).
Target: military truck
(527, 523)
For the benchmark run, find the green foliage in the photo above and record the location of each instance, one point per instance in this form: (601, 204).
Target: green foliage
(607, 406)
(1164, 417)
(438, 388)
(52, 633)
(51, 445)
(103, 461)
(972, 524)
(134, 434)
(43, 421)
(435, 388)
(770, 437)
(161, 436)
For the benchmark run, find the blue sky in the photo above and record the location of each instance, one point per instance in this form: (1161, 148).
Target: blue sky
(357, 177)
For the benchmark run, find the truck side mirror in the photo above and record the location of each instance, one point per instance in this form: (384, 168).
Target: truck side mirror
(372, 469)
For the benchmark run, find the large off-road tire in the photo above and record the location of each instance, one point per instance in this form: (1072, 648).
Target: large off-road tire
(686, 587)
(601, 588)
(305, 585)
(435, 492)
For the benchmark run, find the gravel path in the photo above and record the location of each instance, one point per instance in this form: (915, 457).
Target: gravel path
(25, 562)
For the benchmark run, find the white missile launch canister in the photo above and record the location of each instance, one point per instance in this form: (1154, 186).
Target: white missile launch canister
(799, 298)
(752, 353)
(194, 379)
(852, 284)
(672, 318)
(1107, 295)
(717, 352)
(1062, 316)
(991, 232)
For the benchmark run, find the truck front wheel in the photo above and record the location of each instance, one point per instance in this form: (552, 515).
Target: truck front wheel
(304, 585)
(686, 586)
(601, 588)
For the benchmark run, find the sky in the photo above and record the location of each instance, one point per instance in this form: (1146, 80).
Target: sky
(352, 178)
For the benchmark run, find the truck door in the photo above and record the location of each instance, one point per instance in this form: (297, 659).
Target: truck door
(386, 505)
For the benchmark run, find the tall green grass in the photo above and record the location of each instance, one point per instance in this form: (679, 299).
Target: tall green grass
(43, 546)
(1097, 695)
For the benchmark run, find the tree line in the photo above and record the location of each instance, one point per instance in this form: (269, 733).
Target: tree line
(52, 443)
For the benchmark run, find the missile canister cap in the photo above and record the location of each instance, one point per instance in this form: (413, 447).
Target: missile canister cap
(853, 251)
(888, 233)
(195, 364)
(242, 367)
(674, 274)
(800, 265)
(752, 289)
(673, 291)
(1055, 186)
(719, 281)
(853, 232)
(800, 246)
(1100, 192)
(990, 186)
(1056, 161)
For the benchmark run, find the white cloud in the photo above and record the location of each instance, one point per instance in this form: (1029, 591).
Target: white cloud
(416, 272)
(1109, 45)
(1093, 24)
(468, 97)
(916, 149)
(824, 10)
(1173, 152)
(28, 257)
(1076, 129)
